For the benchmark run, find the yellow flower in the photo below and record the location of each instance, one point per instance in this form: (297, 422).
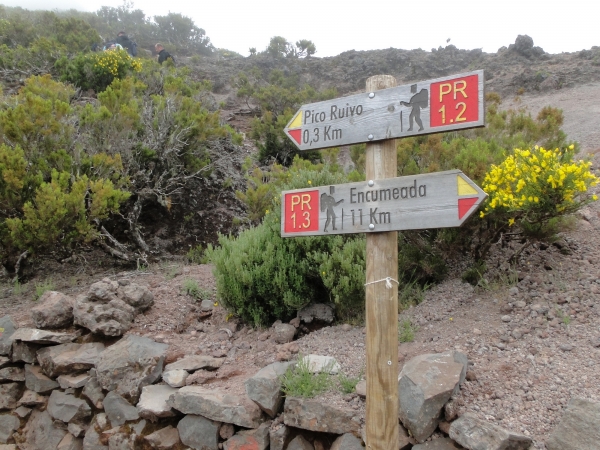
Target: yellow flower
(267, 211)
(571, 147)
(511, 222)
(482, 214)
(309, 182)
(594, 197)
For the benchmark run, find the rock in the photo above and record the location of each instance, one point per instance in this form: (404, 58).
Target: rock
(474, 433)
(69, 358)
(278, 437)
(319, 363)
(8, 447)
(175, 378)
(92, 441)
(130, 364)
(54, 310)
(154, 402)
(41, 433)
(313, 415)
(73, 381)
(93, 391)
(70, 442)
(12, 374)
(7, 328)
(118, 410)
(137, 296)
(506, 318)
(44, 337)
(361, 388)
(300, 443)
(77, 429)
(437, 444)
(579, 427)
(109, 319)
(250, 439)
(199, 433)
(206, 305)
(566, 347)
(226, 431)
(8, 424)
(22, 411)
(425, 384)
(217, 405)
(163, 439)
(195, 362)
(4, 361)
(347, 442)
(31, 398)
(36, 381)
(283, 333)
(199, 377)
(68, 408)
(24, 352)
(264, 388)
(121, 441)
(321, 312)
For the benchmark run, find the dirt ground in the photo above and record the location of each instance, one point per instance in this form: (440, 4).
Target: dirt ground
(532, 344)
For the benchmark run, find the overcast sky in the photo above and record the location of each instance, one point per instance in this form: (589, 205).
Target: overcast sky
(337, 26)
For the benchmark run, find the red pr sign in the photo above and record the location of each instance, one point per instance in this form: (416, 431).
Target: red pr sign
(454, 101)
(301, 211)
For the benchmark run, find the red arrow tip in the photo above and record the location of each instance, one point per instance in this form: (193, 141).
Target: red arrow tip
(296, 134)
(465, 205)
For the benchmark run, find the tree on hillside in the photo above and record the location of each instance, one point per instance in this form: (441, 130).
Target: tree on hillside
(181, 31)
(281, 47)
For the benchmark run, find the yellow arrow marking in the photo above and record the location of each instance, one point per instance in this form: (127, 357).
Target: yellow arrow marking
(464, 188)
(296, 121)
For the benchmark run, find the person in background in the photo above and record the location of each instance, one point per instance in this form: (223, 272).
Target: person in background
(126, 43)
(163, 55)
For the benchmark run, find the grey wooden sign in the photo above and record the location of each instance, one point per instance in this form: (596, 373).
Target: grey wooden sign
(434, 200)
(433, 106)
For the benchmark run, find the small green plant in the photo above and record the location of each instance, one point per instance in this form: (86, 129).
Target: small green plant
(406, 331)
(347, 384)
(18, 288)
(565, 318)
(474, 274)
(191, 288)
(172, 272)
(299, 381)
(40, 288)
(411, 293)
(195, 255)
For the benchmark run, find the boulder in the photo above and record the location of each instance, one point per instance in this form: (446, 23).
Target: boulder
(578, 428)
(264, 388)
(7, 328)
(12, 374)
(278, 437)
(474, 433)
(118, 410)
(321, 312)
(175, 378)
(425, 384)
(24, 352)
(199, 433)
(91, 440)
(195, 362)
(68, 408)
(70, 442)
(347, 442)
(300, 443)
(73, 381)
(54, 310)
(217, 405)
(283, 333)
(22, 411)
(8, 424)
(137, 296)
(121, 441)
(93, 391)
(310, 414)
(4, 361)
(257, 439)
(31, 398)
(77, 429)
(154, 402)
(320, 363)
(130, 364)
(41, 433)
(44, 337)
(438, 444)
(163, 439)
(68, 358)
(36, 381)
(109, 319)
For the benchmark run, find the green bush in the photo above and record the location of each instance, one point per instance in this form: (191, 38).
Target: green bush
(299, 381)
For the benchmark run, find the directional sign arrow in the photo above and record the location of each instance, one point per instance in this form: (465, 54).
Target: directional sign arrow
(434, 200)
(431, 106)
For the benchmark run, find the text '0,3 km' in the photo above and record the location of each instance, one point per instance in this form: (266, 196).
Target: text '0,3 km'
(435, 200)
(433, 106)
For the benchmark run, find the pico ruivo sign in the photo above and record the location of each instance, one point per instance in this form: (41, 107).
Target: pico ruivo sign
(435, 200)
(432, 106)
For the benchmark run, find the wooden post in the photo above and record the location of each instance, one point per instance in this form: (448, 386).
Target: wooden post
(382, 304)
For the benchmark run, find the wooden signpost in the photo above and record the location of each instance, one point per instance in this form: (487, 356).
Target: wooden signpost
(385, 203)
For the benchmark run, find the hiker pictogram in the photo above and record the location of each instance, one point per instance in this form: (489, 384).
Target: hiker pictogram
(328, 203)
